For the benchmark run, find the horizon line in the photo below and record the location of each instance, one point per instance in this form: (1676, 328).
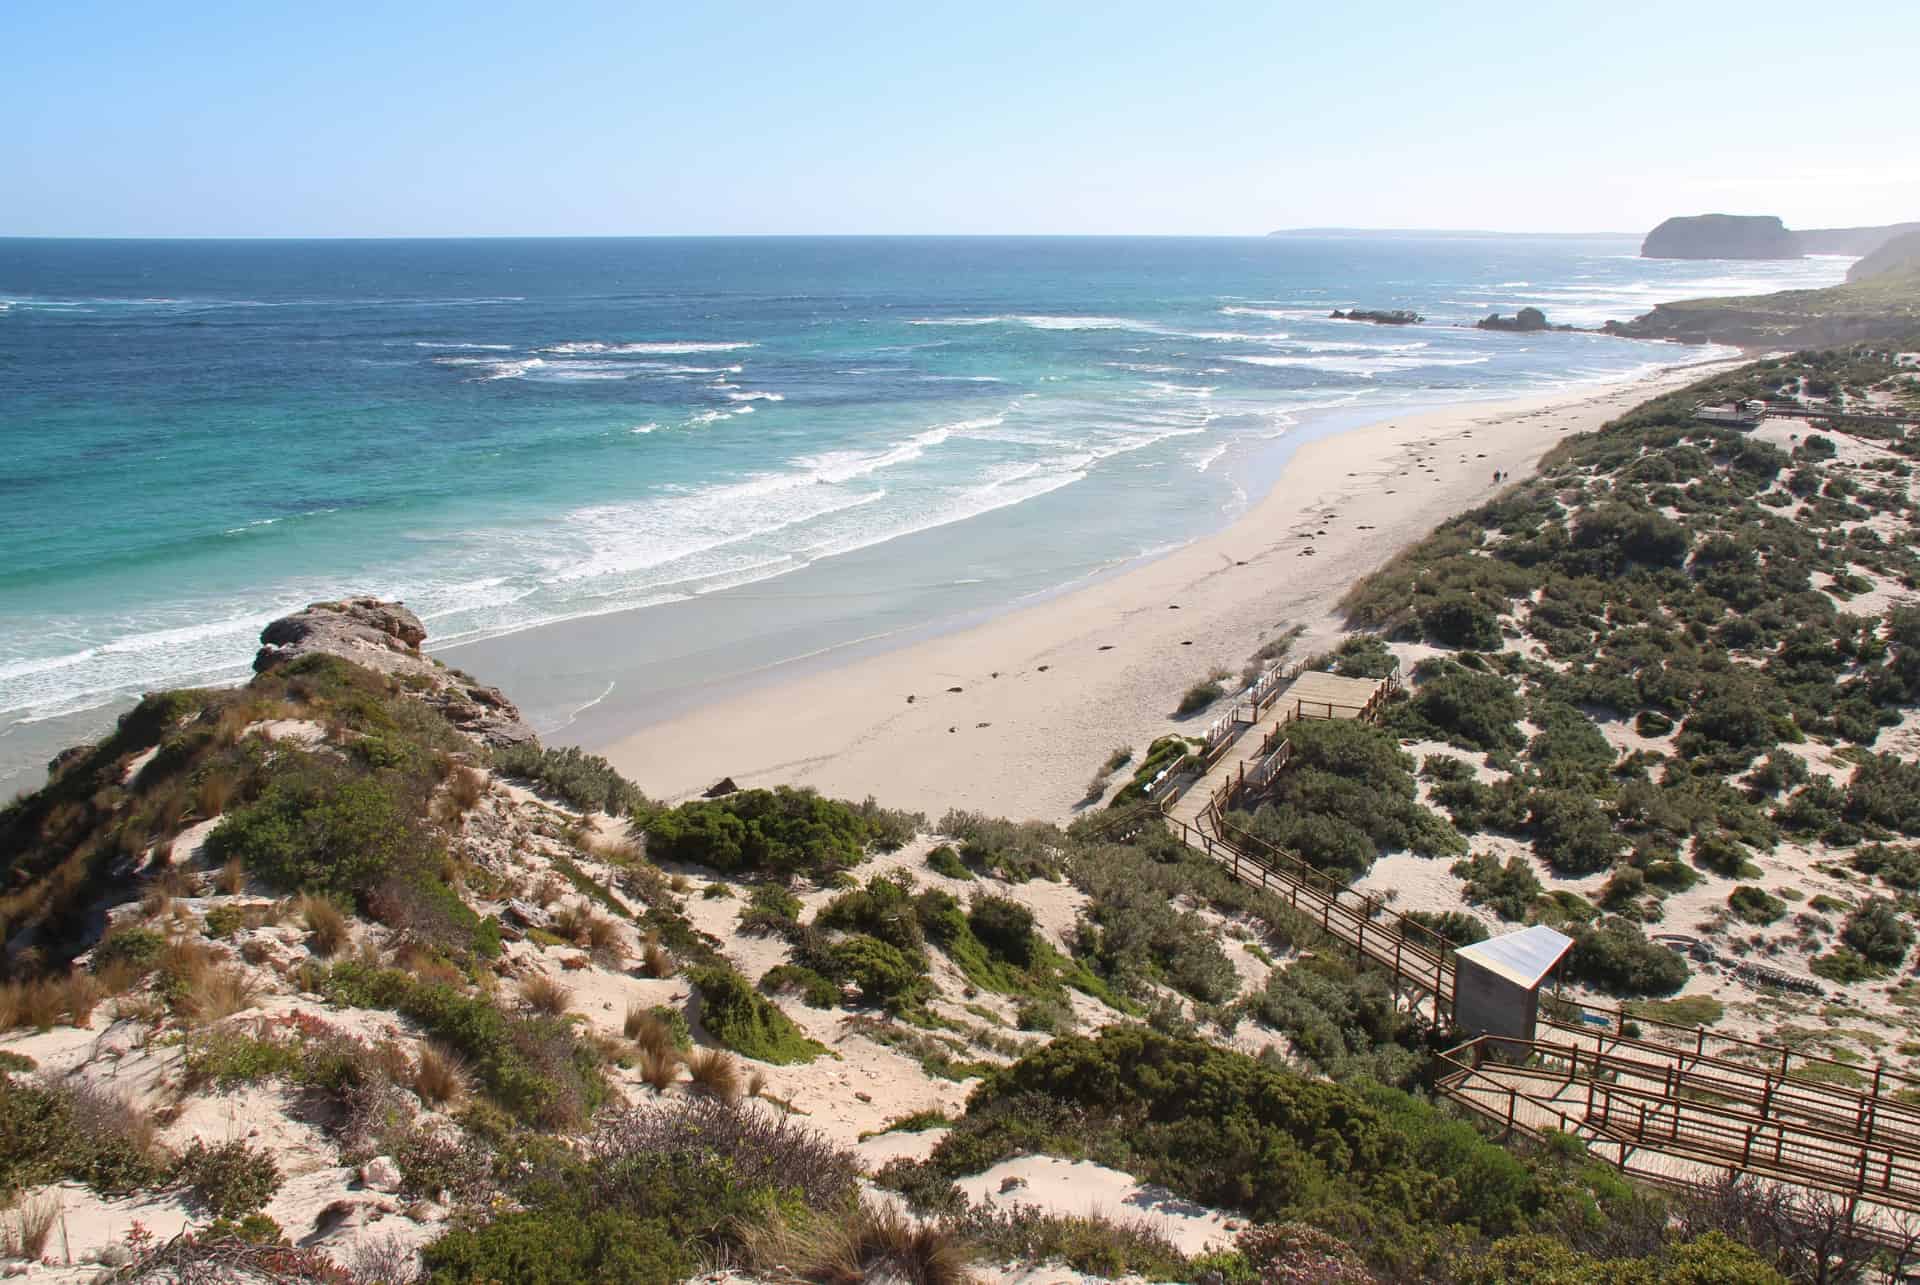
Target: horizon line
(814, 236)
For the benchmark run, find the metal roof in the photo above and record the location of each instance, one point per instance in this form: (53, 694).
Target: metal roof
(1522, 958)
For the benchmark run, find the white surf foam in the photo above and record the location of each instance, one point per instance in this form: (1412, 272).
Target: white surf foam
(663, 347)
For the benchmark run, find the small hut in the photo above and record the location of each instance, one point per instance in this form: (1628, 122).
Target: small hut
(1497, 981)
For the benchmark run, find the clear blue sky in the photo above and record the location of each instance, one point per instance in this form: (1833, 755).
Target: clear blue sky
(422, 117)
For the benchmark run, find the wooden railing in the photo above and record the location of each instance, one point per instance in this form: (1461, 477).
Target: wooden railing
(1819, 1136)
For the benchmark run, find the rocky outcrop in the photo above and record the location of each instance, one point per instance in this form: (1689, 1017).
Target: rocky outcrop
(1391, 317)
(1721, 236)
(1525, 321)
(386, 637)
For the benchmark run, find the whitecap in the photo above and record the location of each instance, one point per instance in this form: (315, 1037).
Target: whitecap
(756, 396)
(664, 347)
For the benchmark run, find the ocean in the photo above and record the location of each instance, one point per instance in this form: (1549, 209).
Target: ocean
(202, 435)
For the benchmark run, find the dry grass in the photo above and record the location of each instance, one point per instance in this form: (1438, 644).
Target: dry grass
(543, 994)
(29, 1226)
(154, 904)
(232, 878)
(654, 959)
(79, 993)
(756, 1084)
(426, 965)
(172, 881)
(327, 923)
(466, 788)
(570, 922)
(547, 891)
(649, 1033)
(603, 941)
(28, 1004)
(715, 1073)
(215, 791)
(659, 1068)
(441, 1077)
(225, 992)
(874, 1243)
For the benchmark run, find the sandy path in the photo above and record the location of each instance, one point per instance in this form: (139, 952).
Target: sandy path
(1043, 693)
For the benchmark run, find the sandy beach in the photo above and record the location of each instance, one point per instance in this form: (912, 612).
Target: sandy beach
(1013, 716)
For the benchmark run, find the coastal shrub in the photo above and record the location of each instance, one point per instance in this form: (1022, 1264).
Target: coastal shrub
(1843, 966)
(1227, 1130)
(1089, 1243)
(587, 781)
(745, 1022)
(1613, 955)
(1884, 793)
(1755, 905)
(1572, 833)
(884, 909)
(1357, 656)
(1342, 1020)
(1456, 926)
(1004, 927)
(1202, 694)
(814, 990)
(1348, 797)
(52, 1130)
(1473, 711)
(1878, 933)
(1460, 619)
(535, 1066)
(230, 1179)
(1508, 890)
(782, 831)
(321, 827)
(885, 975)
(1016, 851)
(943, 860)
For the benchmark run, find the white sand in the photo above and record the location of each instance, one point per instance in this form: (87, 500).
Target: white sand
(1024, 744)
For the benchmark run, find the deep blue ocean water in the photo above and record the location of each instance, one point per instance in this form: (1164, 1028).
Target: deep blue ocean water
(198, 436)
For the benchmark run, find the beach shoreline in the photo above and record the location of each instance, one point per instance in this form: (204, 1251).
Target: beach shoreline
(1013, 714)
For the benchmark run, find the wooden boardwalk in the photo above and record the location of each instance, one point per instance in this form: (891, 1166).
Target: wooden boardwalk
(1678, 1107)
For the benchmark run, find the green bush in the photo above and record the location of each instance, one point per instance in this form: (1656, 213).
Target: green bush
(1876, 931)
(1843, 966)
(1461, 619)
(943, 860)
(52, 1131)
(1508, 890)
(745, 1022)
(230, 1180)
(1755, 905)
(885, 975)
(1227, 1130)
(320, 827)
(138, 948)
(814, 990)
(1004, 927)
(782, 831)
(536, 1067)
(1473, 711)
(1614, 956)
(585, 780)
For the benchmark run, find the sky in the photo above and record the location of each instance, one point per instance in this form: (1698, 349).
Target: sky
(429, 118)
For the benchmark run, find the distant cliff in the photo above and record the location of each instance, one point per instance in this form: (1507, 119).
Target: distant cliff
(1902, 254)
(1759, 236)
(1852, 240)
(1721, 236)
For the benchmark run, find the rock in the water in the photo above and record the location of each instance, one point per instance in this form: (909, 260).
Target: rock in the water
(1380, 317)
(1526, 320)
(380, 1174)
(386, 637)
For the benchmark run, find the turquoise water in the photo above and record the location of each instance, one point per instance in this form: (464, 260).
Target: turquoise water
(202, 435)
